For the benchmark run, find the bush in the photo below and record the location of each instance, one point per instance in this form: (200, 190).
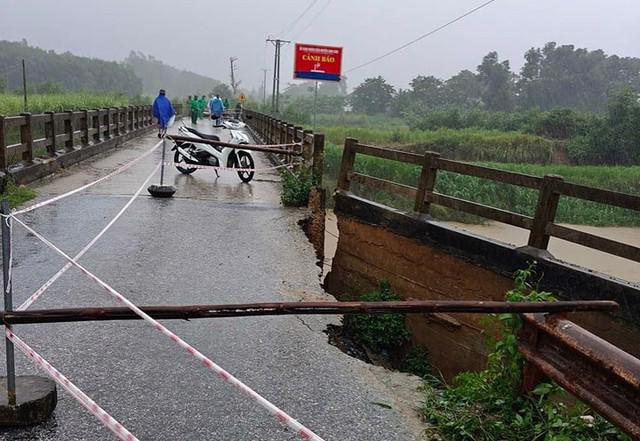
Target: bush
(16, 194)
(296, 186)
(380, 332)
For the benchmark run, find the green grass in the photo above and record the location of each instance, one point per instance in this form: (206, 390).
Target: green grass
(12, 104)
(17, 194)
(504, 196)
(360, 120)
(465, 144)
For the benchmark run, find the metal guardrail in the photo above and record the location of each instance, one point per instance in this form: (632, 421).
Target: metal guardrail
(597, 372)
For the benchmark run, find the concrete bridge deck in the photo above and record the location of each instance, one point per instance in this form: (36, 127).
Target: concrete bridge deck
(217, 241)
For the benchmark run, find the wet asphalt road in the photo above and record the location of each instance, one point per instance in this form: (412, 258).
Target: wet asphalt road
(217, 241)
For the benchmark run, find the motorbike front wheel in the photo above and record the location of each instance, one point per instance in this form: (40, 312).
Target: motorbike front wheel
(179, 159)
(245, 160)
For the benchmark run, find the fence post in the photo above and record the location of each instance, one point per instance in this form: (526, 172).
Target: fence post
(85, 128)
(115, 121)
(318, 159)
(4, 163)
(427, 181)
(50, 133)
(96, 126)
(69, 130)
(26, 137)
(122, 118)
(346, 166)
(548, 199)
(8, 301)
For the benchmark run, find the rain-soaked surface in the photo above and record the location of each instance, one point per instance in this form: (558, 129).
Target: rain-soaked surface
(217, 241)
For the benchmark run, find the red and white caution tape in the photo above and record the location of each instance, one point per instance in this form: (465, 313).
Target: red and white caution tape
(82, 252)
(90, 184)
(107, 420)
(280, 415)
(219, 167)
(241, 146)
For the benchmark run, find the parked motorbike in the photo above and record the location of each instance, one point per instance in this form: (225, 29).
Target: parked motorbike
(195, 153)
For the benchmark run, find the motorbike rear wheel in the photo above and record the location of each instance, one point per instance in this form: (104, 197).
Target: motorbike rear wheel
(178, 159)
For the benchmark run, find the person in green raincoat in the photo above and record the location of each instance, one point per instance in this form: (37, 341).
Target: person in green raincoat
(195, 110)
(202, 104)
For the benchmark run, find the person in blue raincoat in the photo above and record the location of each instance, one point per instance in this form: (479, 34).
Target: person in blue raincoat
(216, 106)
(163, 111)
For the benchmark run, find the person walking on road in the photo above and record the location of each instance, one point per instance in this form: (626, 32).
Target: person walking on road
(163, 111)
(216, 107)
(202, 104)
(194, 106)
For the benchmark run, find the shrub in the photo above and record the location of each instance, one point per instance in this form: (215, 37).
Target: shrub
(296, 186)
(16, 194)
(380, 332)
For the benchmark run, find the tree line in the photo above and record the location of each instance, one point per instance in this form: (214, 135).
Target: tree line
(49, 72)
(64, 71)
(553, 76)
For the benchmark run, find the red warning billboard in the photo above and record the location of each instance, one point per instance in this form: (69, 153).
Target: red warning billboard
(316, 62)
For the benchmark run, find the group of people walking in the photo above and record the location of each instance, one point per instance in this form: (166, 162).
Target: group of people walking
(163, 110)
(215, 105)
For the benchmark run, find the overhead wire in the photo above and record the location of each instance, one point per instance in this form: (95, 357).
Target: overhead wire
(439, 28)
(288, 28)
(315, 17)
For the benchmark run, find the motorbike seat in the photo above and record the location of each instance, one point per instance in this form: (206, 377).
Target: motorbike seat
(203, 135)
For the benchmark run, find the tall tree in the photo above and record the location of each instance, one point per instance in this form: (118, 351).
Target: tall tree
(497, 79)
(566, 76)
(463, 90)
(427, 92)
(372, 96)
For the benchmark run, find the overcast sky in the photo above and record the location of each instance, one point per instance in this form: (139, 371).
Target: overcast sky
(201, 35)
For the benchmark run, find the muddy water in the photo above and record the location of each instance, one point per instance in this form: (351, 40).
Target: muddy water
(560, 249)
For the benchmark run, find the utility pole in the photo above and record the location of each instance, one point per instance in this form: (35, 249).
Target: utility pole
(275, 97)
(24, 84)
(264, 87)
(234, 85)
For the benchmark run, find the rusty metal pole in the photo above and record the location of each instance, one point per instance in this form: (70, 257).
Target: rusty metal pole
(8, 301)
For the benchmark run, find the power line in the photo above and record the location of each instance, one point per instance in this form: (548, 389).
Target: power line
(292, 24)
(477, 8)
(315, 17)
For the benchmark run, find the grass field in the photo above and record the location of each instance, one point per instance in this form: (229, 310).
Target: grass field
(465, 144)
(11, 104)
(504, 196)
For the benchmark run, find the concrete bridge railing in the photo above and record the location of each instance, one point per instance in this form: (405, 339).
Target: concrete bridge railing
(541, 226)
(35, 145)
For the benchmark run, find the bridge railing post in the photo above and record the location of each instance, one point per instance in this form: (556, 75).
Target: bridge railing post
(50, 133)
(26, 138)
(427, 182)
(84, 127)
(548, 199)
(346, 166)
(4, 162)
(68, 130)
